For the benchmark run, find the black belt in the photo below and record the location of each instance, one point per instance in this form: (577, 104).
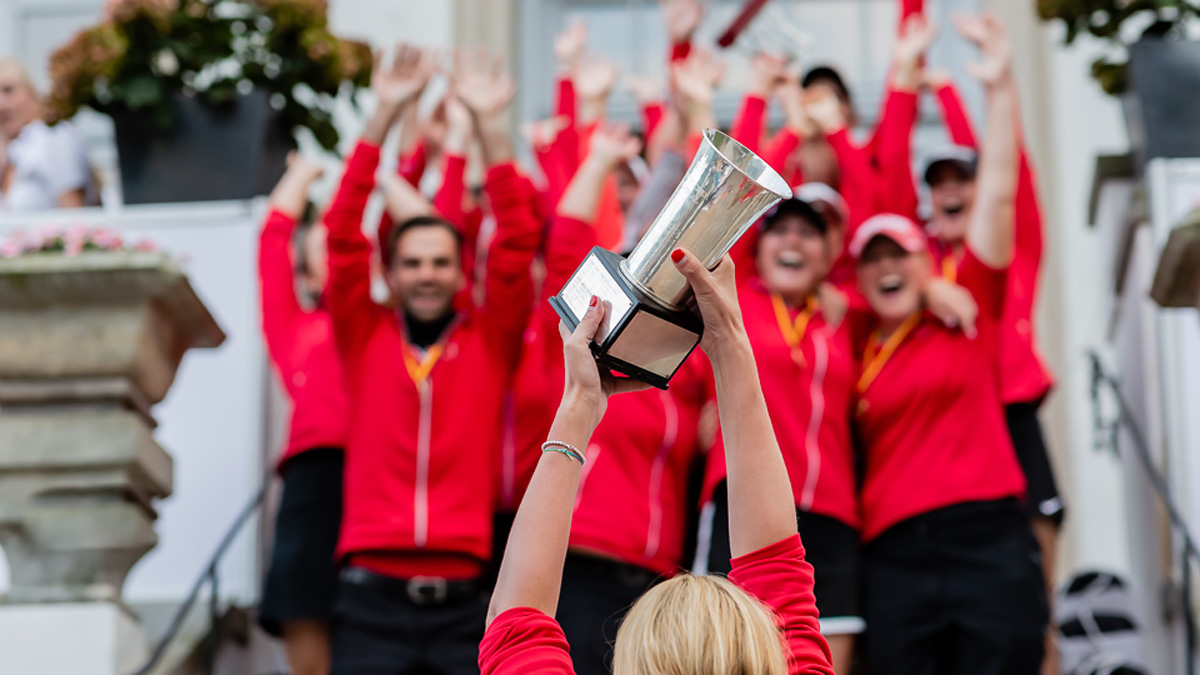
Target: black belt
(631, 576)
(421, 591)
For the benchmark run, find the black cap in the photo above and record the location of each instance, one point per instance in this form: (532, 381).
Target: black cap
(960, 157)
(794, 207)
(826, 74)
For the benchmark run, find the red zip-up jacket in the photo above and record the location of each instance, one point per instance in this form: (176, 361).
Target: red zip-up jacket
(300, 345)
(810, 401)
(524, 641)
(1025, 377)
(419, 464)
(632, 502)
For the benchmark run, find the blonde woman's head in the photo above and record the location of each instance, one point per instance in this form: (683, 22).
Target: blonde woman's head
(694, 625)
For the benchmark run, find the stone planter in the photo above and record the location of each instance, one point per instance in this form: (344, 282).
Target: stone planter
(87, 345)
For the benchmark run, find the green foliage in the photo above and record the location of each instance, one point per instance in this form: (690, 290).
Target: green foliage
(1106, 18)
(146, 51)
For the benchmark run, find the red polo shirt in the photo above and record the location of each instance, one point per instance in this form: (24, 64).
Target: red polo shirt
(809, 394)
(932, 423)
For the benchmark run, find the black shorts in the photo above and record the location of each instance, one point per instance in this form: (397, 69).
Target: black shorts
(830, 546)
(302, 579)
(1042, 498)
(956, 591)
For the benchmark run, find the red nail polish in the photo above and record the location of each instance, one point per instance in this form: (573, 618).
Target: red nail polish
(594, 301)
(677, 255)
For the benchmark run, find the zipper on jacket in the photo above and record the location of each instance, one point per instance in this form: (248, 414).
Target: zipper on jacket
(812, 439)
(424, 436)
(658, 471)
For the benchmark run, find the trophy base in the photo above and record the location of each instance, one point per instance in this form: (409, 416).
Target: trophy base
(640, 338)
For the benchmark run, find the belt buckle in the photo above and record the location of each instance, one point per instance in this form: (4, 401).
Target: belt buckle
(427, 590)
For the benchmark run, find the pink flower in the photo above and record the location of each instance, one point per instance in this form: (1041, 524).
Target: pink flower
(106, 239)
(75, 241)
(10, 249)
(145, 246)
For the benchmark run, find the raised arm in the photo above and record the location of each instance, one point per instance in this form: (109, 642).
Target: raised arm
(682, 18)
(276, 273)
(396, 85)
(695, 80)
(954, 112)
(609, 146)
(991, 227)
(767, 72)
(568, 48)
(594, 78)
(857, 180)
(898, 191)
(531, 572)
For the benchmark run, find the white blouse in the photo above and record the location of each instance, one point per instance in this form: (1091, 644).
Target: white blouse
(46, 162)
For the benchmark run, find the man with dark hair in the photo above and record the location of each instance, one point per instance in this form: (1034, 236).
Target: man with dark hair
(426, 384)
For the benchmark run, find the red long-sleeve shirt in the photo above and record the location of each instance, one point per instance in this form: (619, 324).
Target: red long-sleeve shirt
(419, 465)
(525, 641)
(301, 347)
(931, 422)
(810, 399)
(1025, 377)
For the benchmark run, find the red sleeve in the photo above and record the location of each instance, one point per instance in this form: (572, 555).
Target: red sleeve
(779, 148)
(412, 166)
(449, 198)
(897, 189)
(781, 579)
(652, 114)
(958, 124)
(518, 235)
(747, 127)
(277, 283)
(559, 161)
(565, 99)
(910, 7)
(744, 254)
(522, 641)
(680, 51)
(692, 145)
(988, 285)
(350, 304)
(1030, 237)
(857, 183)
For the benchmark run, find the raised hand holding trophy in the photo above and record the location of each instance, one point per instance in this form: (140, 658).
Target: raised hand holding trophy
(648, 332)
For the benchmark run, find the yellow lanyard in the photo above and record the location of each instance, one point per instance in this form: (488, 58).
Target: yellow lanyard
(949, 268)
(875, 357)
(419, 371)
(793, 331)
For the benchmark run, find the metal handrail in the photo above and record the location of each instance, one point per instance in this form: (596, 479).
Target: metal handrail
(1141, 449)
(212, 578)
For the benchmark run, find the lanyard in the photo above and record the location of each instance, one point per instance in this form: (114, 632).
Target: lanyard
(875, 356)
(793, 331)
(950, 269)
(419, 370)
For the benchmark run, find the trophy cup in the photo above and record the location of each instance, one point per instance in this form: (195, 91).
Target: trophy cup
(648, 332)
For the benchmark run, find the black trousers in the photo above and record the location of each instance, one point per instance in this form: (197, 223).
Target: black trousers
(382, 632)
(957, 591)
(596, 595)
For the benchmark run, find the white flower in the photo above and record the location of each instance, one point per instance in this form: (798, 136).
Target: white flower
(166, 63)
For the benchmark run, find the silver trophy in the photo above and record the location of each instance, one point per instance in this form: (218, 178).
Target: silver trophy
(648, 332)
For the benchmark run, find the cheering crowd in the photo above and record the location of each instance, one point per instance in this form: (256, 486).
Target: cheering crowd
(890, 357)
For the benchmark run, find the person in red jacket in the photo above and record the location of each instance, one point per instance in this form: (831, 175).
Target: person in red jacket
(298, 593)
(426, 383)
(952, 582)
(631, 514)
(761, 620)
(807, 368)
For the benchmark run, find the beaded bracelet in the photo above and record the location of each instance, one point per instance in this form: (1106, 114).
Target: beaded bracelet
(565, 449)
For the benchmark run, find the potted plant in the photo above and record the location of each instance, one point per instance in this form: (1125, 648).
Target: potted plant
(205, 94)
(1152, 65)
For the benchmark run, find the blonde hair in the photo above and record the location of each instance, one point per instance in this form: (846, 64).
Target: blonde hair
(699, 625)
